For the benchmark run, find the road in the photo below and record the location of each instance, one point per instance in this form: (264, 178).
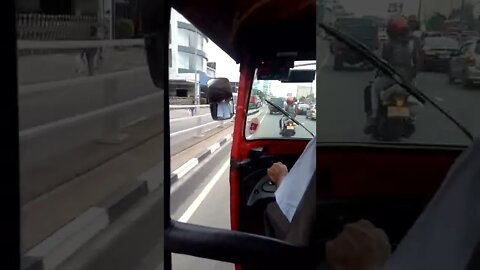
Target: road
(209, 182)
(269, 126)
(341, 114)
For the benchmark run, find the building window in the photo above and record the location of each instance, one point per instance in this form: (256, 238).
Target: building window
(169, 57)
(187, 61)
(190, 39)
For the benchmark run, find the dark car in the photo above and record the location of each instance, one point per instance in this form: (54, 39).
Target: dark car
(365, 31)
(276, 101)
(437, 52)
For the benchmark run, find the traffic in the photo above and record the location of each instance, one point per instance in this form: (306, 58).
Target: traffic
(432, 61)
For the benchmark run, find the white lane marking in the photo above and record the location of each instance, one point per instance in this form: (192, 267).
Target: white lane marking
(228, 137)
(201, 197)
(185, 168)
(183, 180)
(193, 128)
(214, 148)
(189, 117)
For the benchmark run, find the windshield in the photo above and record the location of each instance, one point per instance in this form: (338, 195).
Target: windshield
(357, 106)
(477, 47)
(359, 28)
(440, 42)
(268, 121)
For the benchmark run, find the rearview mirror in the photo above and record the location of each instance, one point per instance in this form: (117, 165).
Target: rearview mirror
(220, 97)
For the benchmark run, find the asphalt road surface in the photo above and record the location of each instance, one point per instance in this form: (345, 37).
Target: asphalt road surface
(204, 200)
(269, 126)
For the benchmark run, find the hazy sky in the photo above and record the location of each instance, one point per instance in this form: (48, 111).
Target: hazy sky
(226, 66)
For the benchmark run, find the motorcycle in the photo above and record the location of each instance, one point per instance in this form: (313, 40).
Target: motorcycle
(395, 119)
(288, 127)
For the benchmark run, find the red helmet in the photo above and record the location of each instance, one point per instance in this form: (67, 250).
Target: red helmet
(290, 100)
(397, 27)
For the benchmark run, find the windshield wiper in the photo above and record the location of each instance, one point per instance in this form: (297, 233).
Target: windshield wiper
(388, 69)
(289, 116)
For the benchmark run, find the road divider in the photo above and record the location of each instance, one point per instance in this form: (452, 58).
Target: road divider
(196, 161)
(64, 243)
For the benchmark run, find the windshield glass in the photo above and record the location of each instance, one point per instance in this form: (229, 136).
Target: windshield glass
(357, 106)
(265, 121)
(439, 42)
(477, 47)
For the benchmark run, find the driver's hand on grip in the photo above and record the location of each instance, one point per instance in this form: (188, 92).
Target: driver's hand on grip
(277, 172)
(360, 246)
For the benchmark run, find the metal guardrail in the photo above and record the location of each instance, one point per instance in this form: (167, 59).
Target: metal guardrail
(54, 27)
(77, 44)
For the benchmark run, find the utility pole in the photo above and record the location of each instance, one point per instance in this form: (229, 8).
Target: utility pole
(197, 84)
(419, 15)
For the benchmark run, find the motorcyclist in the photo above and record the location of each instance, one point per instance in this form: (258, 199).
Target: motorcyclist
(401, 51)
(289, 108)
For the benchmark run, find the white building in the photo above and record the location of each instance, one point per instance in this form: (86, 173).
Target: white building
(186, 57)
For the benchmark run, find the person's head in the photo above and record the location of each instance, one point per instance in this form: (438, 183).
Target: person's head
(398, 29)
(413, 23)
(290, 100)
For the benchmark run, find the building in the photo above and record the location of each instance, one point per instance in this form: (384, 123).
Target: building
(304, 91)
(187, 58)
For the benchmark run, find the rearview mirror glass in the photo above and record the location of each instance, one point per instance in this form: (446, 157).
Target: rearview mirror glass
(220, 97)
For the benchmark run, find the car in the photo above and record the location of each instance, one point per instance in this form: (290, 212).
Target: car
(276, 101)
(365, 30)
(301, 108)
(382, 35)
(436, 52)
(465, 64)
(428, 34)
(312, 112)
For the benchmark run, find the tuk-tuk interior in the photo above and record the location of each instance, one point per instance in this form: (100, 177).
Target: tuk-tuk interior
(388, 185)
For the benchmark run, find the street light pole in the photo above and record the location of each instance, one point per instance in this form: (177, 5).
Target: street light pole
(197, 84)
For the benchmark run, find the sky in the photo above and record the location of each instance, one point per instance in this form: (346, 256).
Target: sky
(226, 66)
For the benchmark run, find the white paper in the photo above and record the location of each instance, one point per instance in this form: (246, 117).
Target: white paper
(445, 234)
(290, 192)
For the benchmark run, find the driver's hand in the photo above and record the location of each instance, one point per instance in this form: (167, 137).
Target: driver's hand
(360, 246)
(277, 172)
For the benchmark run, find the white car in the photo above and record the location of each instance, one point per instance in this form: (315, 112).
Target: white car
(382, 36)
